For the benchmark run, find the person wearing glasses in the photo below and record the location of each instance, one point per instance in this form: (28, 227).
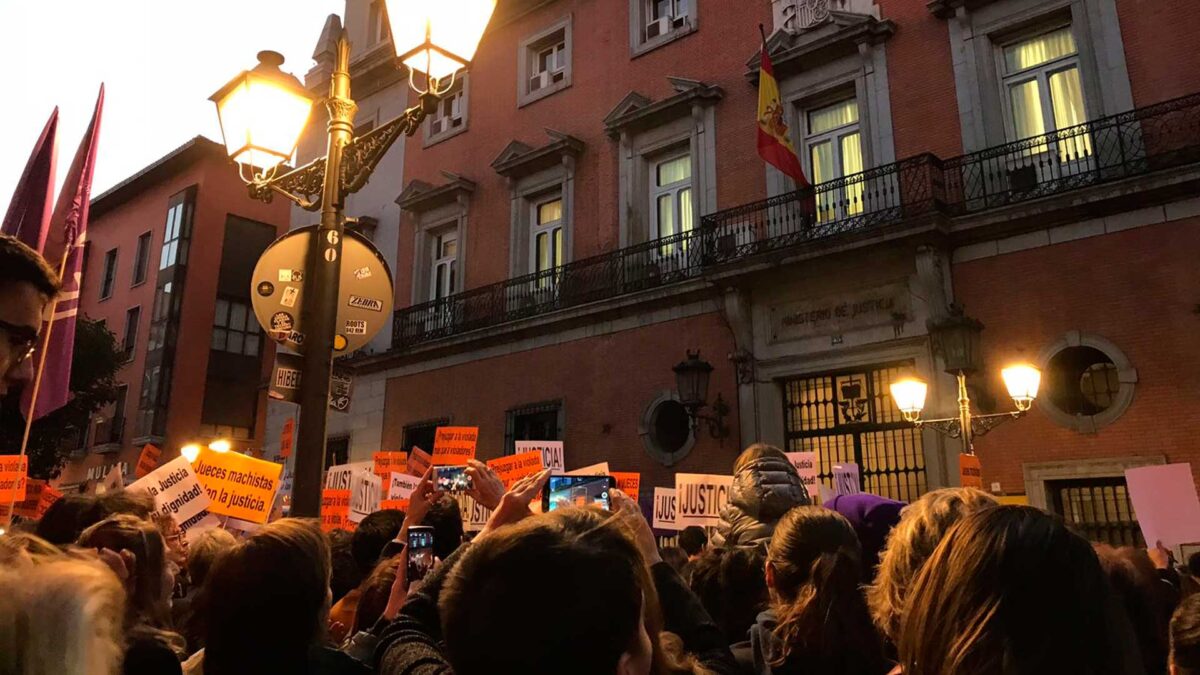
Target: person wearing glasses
(27, 284)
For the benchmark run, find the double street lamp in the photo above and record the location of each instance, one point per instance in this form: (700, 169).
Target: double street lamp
(263, 112)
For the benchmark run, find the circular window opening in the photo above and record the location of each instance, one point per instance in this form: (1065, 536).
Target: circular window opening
(1082, 381)
(670, 426)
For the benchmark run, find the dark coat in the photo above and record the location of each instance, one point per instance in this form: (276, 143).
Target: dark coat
(763, 490)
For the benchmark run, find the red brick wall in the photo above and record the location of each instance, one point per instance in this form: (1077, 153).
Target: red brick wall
(1139, 289)
(1160, 48)
(581, 373)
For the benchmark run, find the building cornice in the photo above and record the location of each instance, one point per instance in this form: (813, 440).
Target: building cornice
(419, 196)
(193, 150)
(518, 159)
(841, 35)
(636, 112)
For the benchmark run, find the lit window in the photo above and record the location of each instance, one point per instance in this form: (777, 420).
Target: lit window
(445, 266)
(671, 201)
(835, 151)
(1045, 93)
(547, 238)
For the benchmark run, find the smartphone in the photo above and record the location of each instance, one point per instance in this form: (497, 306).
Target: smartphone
(453, 478)
(578, 491)
(420, 552)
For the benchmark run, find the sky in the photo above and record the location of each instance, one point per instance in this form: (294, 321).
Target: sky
(160, 60)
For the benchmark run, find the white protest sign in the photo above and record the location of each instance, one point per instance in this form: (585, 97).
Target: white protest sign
(401, 485)
(1164, 499)
(552, 453)
(664, 509)
(176, 492)
(600, 469)
(365, 490)
(199, 523)
(474, 514)
(246, 526)
(700, 498)
(845, 479)
(808, 466)
(338, 477)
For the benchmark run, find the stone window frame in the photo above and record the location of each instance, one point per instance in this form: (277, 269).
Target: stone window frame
(637, 25)
(978, 32)
(1037, 475)
(463, 84)
(645, 425)
(1126, 374)
(527, 50)
(434, 210)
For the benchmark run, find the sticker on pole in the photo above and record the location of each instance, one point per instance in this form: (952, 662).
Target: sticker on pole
(278, 292)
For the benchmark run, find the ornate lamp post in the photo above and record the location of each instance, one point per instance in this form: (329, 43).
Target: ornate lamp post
(263, 112)
(691, 381)
(957, 339)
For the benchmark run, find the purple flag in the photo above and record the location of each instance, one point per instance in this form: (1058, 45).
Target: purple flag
(63, 249)
(29, 211)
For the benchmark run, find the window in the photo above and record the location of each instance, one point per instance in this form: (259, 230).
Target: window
(235, 330)
(666, 430)
(142, 261)
(834, 148)
(1097, 508)
(1044, 91)
(337, 451)
(132, 318)
(1082, 381)
(657, 22)
(450, 117)
(538, 422)
(378, 28)
(421, 434)
(175, 237)
(110, 274)
(545, 63)
(547, 238)
(444, 266)
(671, 201)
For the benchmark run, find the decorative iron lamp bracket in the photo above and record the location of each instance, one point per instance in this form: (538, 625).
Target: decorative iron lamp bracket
(717, 428)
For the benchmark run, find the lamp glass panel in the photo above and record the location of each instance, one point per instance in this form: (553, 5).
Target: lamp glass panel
(453, 25)
(262, 121)
(909, 395)
(1022, 382)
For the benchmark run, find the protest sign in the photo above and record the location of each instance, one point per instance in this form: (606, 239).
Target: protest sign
(700, 498)
(241, 525)
(13, 470)
(389, 462)
(28, 507)
(147, 461)
(808, 465)
(515, 467)
(664, 509)
(845, 479)
(552, 453)
(418, 462)
(48, 497)
(365, 492)
(177, 493)
(454, 445)
(600, 469)
(969, 471)
(1164, 498)
(239, 486)
(400, 487)
(628, 482)
(335, 509)
(338, 477)
(474, 515)
(285, 437)
(192, 527)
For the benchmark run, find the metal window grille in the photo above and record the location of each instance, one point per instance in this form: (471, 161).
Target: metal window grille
(1098, 508)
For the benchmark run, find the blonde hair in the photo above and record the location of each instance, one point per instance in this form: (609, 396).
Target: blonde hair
(23, 548)
(62, 617)
(922, 526)
(757, 451)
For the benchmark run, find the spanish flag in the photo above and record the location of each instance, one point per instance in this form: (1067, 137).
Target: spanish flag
(774, 143)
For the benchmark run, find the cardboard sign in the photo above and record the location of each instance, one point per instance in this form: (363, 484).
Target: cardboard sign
(600, 469)
(700, 498)
(664, 509)
(419, 462)
(28, 507)
(202, 521)
(515, 467)
(399, 491)
(13, 471)
(114, 480)
(239, 486)
(285, 438)
(808, 465)
(338, 477)
(335, 509)
(1164, 499)
(628, 482)
(552, 453)
(969, 471)
(845, 479)
(365, 492)
(49, 495)
(177, 493)
(389, 462)
(454, 445)
(474, 515)
(147, 461)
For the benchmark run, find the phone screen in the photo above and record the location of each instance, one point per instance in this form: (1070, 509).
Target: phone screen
(453, 478)
(578, 491)
(420, 552)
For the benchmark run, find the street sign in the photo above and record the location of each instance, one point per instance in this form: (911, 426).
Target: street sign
(286, 382)
(364, 297)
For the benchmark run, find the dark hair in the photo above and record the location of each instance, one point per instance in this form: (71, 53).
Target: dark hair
(346, 575)
(731, 586)
(446, 521)
(822, 615)
(692, 539)
(19, 263)
(1193, 564)
(675, 557)
(68, 517)
(1185, 636)
(1148, 602)
(1010, 590)
(374, 594)
(371, 535)
(265, 601)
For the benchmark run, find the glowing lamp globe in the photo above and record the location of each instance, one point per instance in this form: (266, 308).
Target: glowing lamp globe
(220, 445)
(438, 37)
(909, 395)
(263, 112)
(190, 452)
(1022, 382)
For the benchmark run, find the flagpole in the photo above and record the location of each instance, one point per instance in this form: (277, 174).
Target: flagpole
(37, 377)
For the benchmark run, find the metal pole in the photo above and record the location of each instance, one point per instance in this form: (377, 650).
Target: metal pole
(321, 288)
(964, 414)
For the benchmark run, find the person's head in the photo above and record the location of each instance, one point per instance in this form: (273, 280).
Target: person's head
(1147, 601)
(17, 548)
(204, 551)
(813, 569)
(1185, 637)
(150, 578)
(1193, 564)
(27, 284)
(62, 616)
(675, 557)
(375, 592)
(266, 600)
(731, 586)
(693, 540)
(345, 575)
(872, 518)
(372, 534)
(134, 503)
(922, 526)
(73, 513)
(755, 452)
(446, 521)
(1011, 591)
(601, 618)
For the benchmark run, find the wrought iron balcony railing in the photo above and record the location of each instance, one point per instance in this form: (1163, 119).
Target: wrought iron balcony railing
(1136, 142)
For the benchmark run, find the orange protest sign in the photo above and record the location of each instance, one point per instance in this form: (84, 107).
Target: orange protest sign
(335, 510)
(970, 471)
(389, 462)
(398, 489)
(285, 438)
(418, 462)
(628, 482)
(13, 470)
(148, 461)
(515, 467)
(239, 486)
(454, 445)
(49, 496)
(28, 508)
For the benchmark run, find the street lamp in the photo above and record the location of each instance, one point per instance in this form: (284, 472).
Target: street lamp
(190, 452)
(956, 338)
(691, 382)
(220, 446)
(263, 112)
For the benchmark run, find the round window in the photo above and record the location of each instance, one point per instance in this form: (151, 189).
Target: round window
(666, 430)
(1082, 381)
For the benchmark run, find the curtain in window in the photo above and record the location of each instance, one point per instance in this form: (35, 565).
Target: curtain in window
(1039, 50)
(1066, 96)
(823, 171)
(851, 164)
(832, 117)
(1027, 112)
(674, 171)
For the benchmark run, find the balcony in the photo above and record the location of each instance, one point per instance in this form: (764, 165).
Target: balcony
(108, 435)
(1134, 143)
